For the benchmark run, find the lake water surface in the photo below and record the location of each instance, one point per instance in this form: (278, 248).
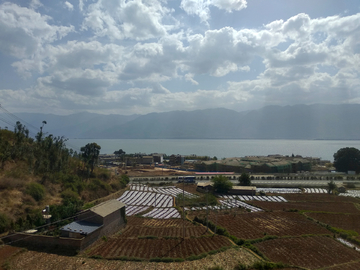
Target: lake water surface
(324, 149)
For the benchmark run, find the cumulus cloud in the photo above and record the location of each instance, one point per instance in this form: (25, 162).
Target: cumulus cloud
(69, 6)
(131, 56)
(139, 20)
(34, 4)
(23, 31)
(201, 8)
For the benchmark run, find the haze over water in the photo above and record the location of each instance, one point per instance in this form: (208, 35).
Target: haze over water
(324, 149)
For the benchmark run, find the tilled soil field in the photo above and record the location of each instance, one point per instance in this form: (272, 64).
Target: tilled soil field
(44, 261)
(6, 252)
(309, 252)
(342, 221)
(159, 223)
(335, 207)
(151, 248)
(348, 266)
(138, 231)
(310, 197)
(257, 225)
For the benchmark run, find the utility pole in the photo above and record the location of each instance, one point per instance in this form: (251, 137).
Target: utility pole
(183, 208)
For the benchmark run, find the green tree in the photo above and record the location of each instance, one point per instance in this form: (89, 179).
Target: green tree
(347, 159)
(90, 154)
(244, 179)
(221, 184)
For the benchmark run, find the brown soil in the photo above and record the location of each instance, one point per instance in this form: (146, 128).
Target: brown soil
(44, 261)
(257, 225)
(309, 252)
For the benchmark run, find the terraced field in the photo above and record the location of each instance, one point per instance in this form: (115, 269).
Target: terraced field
(258, 225)
(309, 252)
(151, 248)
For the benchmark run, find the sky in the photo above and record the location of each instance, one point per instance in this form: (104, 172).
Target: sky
(137, 57)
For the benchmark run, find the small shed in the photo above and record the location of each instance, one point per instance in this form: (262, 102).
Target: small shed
(204, 187)
(242, 190)
(101, 220)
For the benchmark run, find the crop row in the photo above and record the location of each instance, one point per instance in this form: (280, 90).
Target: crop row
(146, 198)
(315, 190)
(255, 198)
(163, 213)
(309, 252)
(166, 232)
(151, 248)
(169, 190)
(158, 223)
(257, 225)
(329, 206)
(133, 210)
(236, 203)
(279, 190)
(351, 193)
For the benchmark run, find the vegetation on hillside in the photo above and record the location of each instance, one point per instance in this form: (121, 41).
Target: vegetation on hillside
(40, 171)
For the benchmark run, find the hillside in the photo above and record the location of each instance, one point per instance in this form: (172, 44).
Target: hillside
(318, 121)
(42, 171)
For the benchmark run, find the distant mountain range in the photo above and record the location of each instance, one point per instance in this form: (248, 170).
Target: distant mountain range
(272, 122)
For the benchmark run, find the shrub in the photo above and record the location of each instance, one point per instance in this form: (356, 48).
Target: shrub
(4, 223)
(36, 191)
(69, 195)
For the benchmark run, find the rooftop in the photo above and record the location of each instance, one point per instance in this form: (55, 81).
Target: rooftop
(108, 207)
(82, 227)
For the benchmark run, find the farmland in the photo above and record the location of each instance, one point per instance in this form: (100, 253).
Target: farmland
(325, 206)
(151, 248)
(149, 238)
(342, 221)
(257, 225)
(310, 252)
(274, 226)
(44, 261)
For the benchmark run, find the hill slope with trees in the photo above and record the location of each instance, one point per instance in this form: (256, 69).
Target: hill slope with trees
(41, 171)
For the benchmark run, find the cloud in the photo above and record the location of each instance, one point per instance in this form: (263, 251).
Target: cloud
(201, 8)
(139, 20)
(125, 51)
(82, 82)
(190, 77)
(34, 4)
(24, 31)
(69, 6)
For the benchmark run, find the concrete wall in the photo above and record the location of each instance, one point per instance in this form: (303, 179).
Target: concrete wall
(90, 216)
(43, 241)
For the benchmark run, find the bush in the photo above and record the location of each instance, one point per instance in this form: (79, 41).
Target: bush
(69, 195)
(4, 223)
(36, 191)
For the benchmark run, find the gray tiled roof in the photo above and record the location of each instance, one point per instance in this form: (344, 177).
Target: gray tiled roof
(81, 227)
(108, 207)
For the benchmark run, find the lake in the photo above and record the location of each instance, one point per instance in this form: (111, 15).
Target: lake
(324, 149)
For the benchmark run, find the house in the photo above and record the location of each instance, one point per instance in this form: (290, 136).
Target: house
(205, 187)
(101, 220)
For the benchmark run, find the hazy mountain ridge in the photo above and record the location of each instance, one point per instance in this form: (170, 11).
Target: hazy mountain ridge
(272, 122)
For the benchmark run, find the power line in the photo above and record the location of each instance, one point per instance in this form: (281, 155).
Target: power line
(16, 117)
